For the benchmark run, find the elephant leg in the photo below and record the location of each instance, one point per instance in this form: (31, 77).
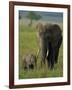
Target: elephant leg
(49, 55)
(50, 59)
(52, 56)
(57, 50)
(56, 55)
(43, 55)
(53, 53)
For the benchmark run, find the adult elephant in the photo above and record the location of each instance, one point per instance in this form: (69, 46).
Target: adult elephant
(50, 38)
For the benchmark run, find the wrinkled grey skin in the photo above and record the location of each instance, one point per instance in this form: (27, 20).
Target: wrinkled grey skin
(50, 38)
(29, 61)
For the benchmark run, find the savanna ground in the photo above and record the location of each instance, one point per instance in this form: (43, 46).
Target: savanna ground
(28, 43)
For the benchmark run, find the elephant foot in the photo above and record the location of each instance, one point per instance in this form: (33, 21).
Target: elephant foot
(52, 67)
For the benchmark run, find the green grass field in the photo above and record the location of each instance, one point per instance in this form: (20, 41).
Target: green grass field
(28, 44)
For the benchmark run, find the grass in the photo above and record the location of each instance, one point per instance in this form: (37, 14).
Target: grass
(28, 44)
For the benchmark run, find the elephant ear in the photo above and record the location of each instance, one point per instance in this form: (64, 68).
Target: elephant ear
(55, 41)
(47, 27)
(40, 29)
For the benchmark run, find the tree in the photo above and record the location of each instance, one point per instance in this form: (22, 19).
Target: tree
(33, 16)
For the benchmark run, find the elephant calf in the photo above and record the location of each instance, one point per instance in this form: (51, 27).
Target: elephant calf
(29, 61)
